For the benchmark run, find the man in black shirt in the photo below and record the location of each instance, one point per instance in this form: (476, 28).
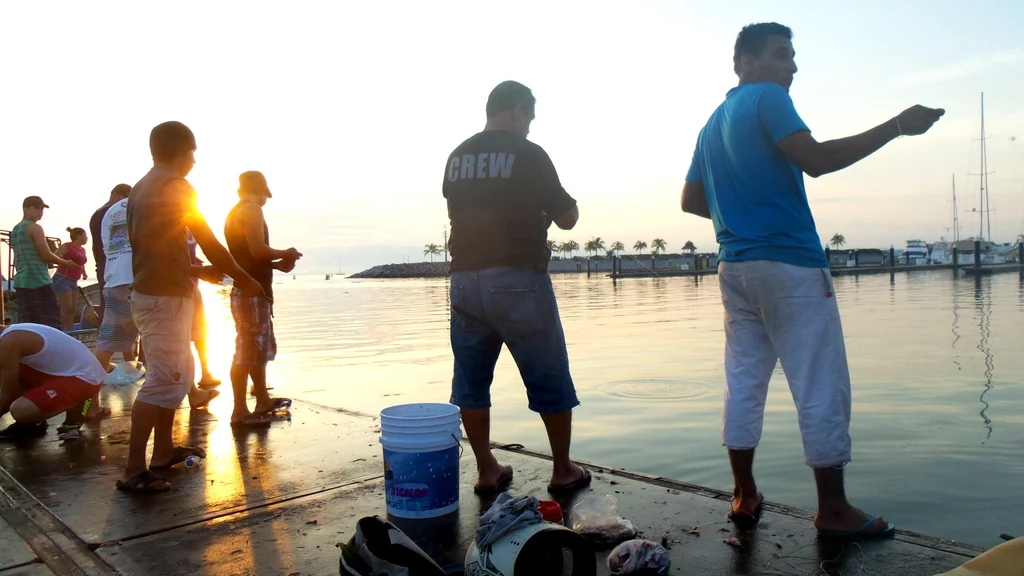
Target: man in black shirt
(120, 192)
(503, 193)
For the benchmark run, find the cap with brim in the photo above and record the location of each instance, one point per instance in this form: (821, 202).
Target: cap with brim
(253, 181)
(34, 202)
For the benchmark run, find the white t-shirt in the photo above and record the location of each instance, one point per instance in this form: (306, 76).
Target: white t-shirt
(114, 229)
(61, 355)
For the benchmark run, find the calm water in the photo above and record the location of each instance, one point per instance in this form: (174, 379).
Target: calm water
(937, 368)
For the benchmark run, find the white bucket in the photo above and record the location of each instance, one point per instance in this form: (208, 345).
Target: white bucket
(421, 459)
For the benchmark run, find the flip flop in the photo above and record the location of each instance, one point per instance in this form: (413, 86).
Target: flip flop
(103, 413)
(888, 532)
(205, 403)
(745, 520)
(208, 383)
(181, 453)
(142, 483)
(504, 481)
(278, 404)
(569, 489)
(252, 422)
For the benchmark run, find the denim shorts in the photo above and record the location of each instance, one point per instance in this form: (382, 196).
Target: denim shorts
(515, 307)
(62, 283)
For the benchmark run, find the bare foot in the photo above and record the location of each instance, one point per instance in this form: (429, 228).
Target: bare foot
(563, 479)
(849, 519)
(747, 506)
(492, 478)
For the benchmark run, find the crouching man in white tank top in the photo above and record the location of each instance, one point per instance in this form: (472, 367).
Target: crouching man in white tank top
(44, 372)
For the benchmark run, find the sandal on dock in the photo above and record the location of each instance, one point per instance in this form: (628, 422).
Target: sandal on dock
(862, 533)
(277, 404)
(567, 490)
(144, 483)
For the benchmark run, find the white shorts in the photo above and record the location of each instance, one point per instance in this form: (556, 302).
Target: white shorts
(165, 323)
(773, 312)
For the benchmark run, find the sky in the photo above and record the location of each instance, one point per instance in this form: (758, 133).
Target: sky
(351, 109)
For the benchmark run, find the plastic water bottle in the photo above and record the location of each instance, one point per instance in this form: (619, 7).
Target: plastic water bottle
(193, 461)
(286, 403)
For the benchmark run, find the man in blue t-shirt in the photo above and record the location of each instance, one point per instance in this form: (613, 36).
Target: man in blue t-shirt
(747, 176)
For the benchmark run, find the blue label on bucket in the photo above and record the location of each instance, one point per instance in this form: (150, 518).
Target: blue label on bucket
(420, 484)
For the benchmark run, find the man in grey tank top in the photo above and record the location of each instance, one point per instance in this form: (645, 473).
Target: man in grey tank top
(161, 207)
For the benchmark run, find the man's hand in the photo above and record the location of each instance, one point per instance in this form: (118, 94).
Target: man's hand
(918, 119)
(249, 287)
(210, 274)
(284, 265)
(287, 263)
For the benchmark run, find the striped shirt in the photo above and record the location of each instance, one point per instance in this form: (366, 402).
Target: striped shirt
(32, 272)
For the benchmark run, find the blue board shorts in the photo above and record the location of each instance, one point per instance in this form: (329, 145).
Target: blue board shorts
(514, 307)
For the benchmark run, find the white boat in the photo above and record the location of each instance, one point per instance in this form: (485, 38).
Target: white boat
(942, 252)
(916, 252)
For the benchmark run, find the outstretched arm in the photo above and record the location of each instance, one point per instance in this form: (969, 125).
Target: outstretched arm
(214, 250)
(35, 233)
(819, 158)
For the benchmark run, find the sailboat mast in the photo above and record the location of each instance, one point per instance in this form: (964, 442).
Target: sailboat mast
(956, 215)
(984, 148)
(981, 192)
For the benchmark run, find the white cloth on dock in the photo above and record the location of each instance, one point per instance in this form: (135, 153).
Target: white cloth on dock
(508, 513)
(776, 311)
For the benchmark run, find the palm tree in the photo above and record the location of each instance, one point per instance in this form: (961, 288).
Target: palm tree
(598, 245)
(573, 247)
(432, 250)
(837, 241)
(568, 247)
(618, 247)
(553, 246)
(657, 245)
(589, 246)
(689, 247)
(640, 246)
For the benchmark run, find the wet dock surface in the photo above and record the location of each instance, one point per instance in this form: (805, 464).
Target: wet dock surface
(278, 501)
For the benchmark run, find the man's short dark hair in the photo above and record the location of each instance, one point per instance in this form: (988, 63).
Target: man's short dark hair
(508, 95)
(753, 39)
(171, 140)
(121, 191)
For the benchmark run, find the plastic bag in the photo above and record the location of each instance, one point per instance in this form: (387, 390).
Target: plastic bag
(638, 555)
(125, 373)
(598, 520)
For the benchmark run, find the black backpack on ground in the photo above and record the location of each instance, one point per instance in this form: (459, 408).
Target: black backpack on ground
(379, 548)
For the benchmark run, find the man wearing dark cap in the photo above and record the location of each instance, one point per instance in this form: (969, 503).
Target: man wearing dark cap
(120, 192)
(161, 212)
(248, 239)
(37, 302)
(503, 193)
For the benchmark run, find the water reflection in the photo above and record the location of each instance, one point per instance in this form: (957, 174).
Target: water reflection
(983, 300)
(646, 356)
(956, 326)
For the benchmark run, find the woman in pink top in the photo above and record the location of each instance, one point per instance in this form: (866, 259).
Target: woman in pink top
(65, 279)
